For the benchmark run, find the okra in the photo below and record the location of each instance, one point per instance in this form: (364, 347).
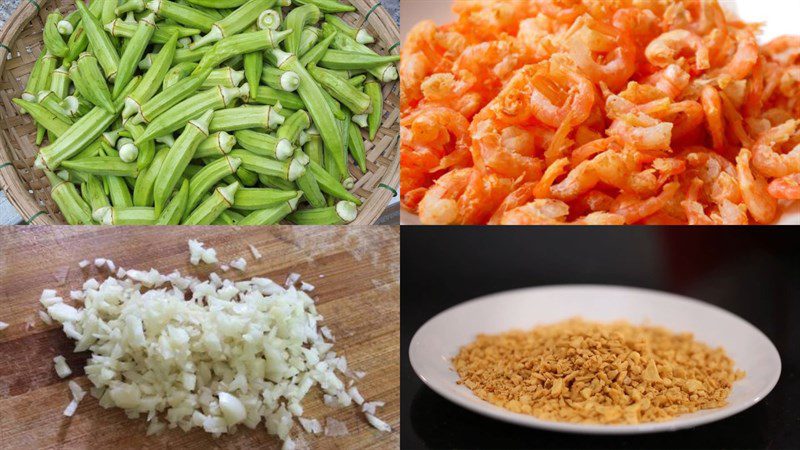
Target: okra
(146, 148)
(235, 22)
(246, 117)
(315, 102)
(246, 177)
(53, 40)
(60, 82)
(175, 209)
(253, 66)
(310, 188)
(263, 144)
(316, 52)
(266, 95)
(373, 90)
(102, 47)
(133, 52)
(96, 197)
(179, 72)
(220, 200)
(182, 14)
(291, 128)
(161, 35)
(178, 158)
(359, 35)
(102, 166)
(339, 59)
(313, 148)
(177, 116)
(308, 38)
(51, 102)
(69, 201)
(134, 215)
(130, 6)
(76, 138)
(168, 98)
(151, 80)
(143, 189)
(270, 181)
(248, 199)
(222, 4)
(342, 212)
(287, 170)
(186, 54)
(210, 175)
(282, 80)
(44, 117)
(356, 147)
(240, 44)
(341, 90)
(216, 145)
(118, 192)
(385, 72)
(75, 107)
(327, 6)
(296, 21)
(92, 79)
(272, 215)
(225, 77)
(330, 185)
(269, 20)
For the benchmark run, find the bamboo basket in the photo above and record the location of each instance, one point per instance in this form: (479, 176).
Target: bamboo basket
(27, 188)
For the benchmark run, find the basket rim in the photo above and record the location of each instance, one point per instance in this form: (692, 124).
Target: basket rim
(25, 203)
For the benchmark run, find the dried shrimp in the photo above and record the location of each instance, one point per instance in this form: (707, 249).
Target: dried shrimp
(598, 112)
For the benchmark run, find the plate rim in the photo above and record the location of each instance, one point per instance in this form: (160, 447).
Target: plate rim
(487, 409)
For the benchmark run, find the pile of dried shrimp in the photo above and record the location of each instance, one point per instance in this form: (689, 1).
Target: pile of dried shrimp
(598, 112)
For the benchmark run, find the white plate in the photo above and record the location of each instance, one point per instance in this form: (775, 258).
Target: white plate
(439, 340)
(779, 17)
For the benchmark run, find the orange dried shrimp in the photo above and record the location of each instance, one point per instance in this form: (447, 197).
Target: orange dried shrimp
(598, 112)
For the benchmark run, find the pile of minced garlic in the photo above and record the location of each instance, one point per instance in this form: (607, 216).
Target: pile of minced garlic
(587, 372)
(215, 354)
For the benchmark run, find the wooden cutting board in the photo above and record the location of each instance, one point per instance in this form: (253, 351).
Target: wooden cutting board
(356, 271)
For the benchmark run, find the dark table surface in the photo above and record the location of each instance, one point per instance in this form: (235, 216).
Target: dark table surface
(754, 273)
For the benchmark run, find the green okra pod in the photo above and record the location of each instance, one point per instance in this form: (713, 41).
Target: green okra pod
(176, 117)
(253, 199)
(311, 191)
(271, 215)
(357, 81)
(240, 44)
(316, 52)
(220, 200)
(69, 201)
(246, 177)
(134, 215)
(92, 79)
(342, 212)
(147, 148)
(263, 144)
(175, 209)
(188, 55)
(320, 110)
(76, 138)
(348, 60)
(102, 47)
(360, 35)
(75, 107)
(373, 89)
(179, 72)
(235, 22)
(118, 191)
(226, 77)
(60, 82)
(44, 117)
(95, 196)
(297, 19)
(330, 185)
(253, 66)
(384, 72)
(210, 175)
(178, 157)
(161, 35)
(277, 183)
(357, 101)
(327, 6)
(168, 98)
(216, 145)
(308, 38)
(266, 95)
(356, 146)
(145, 182)
(282, 80)
(287, 170)
(151, 81)
(35, 81)
(50, 101)
(246, 117)
(133, 52)
(103, 165)
(313, 148)
(222, 4)
(182, 14)
(53, 40)
(269, 20)
(293, 125)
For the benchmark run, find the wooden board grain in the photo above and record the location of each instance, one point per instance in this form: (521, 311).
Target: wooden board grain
(356, 271)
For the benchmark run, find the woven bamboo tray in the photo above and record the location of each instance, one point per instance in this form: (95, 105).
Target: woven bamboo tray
(27, 188)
